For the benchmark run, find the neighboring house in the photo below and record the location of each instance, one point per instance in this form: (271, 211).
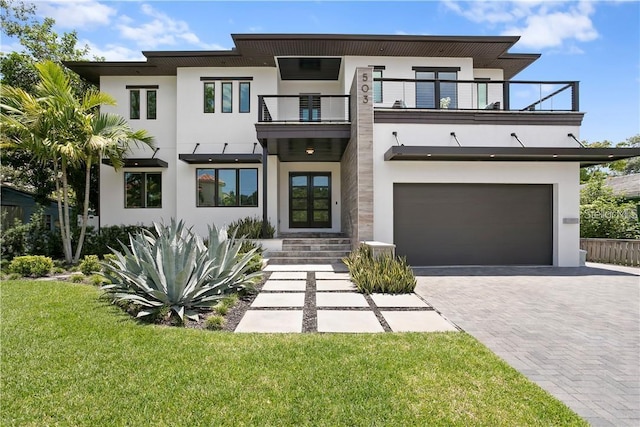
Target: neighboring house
(421, 141)
(625, 186)
(18, 204)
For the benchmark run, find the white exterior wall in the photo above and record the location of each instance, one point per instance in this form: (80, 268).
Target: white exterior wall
(336, 198)
(212, 131)
(163, 129)
(563, 177)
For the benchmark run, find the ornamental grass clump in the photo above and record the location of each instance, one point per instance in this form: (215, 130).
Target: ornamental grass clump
(177, 271)
(381, 274)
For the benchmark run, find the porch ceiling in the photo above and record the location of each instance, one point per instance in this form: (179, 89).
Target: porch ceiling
(586, 156)
(290, 141)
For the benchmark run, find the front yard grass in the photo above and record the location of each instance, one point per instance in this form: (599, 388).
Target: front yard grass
(69, 358)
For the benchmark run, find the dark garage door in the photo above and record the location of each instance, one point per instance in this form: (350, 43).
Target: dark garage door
(473, 224)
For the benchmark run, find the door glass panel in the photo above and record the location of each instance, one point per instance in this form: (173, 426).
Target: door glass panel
(321, 216)
(299, 203)
(299, 216)
(299, 193)
(299, 180)
(449, 90)
(321, 181)
(425, 91)
(321, 204)
(321, 192)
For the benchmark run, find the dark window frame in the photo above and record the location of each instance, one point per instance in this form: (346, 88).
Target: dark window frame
(134, 110)
(144, 192)
(378, 69)
(212, 106)
(216, 194)
(222, 106)
(240, 97)
(153, 116)
(482, 82)
(437, 88)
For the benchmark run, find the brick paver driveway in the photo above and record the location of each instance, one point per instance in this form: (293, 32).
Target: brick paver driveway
(573, 331)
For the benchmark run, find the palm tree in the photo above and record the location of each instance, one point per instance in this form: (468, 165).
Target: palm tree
(54, 124)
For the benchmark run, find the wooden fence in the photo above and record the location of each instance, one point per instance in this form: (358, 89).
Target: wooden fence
(612, 251)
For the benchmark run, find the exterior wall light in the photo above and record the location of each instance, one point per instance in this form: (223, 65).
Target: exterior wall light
(310, 151)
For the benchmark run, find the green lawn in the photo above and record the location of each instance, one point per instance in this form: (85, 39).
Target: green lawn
(69, 358)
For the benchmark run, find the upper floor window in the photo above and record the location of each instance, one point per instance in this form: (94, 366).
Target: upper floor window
(134, 104)
(377, 85)
(227, 187)
(436, 94)
(135, 101)
(482, 89)
(209, 97)
(309, 107)
(151, 104)
(245, 97)
(142, 189)
(227, 97)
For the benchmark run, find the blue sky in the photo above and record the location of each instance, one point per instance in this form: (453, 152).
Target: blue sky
(597, 43)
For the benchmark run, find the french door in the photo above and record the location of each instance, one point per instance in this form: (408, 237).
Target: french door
(310, 200)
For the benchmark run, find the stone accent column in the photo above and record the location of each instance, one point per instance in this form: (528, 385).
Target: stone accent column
(357, 161)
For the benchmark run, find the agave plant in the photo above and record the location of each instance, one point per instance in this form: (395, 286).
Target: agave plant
(177, 270)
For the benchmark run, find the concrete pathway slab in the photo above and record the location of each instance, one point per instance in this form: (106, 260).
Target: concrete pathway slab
(335, 285)
(340, 299)
(348, 321)
(416, 321)
(331, 275)
(288, 275)
(399, 300)
(575, 331)
(279, 300)
(306, 267)
(271, 321)
(285, 285)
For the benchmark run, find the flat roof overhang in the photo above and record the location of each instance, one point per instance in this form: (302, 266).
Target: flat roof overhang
(291, 141)
(139, 163)
(585, 156)
(202, 159)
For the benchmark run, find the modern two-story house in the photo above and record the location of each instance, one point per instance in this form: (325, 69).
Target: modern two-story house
(426, 142)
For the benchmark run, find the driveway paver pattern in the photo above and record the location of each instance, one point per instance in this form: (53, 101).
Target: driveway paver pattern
(573, 331)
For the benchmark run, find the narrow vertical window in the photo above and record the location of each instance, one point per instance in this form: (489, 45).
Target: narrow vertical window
(482, 94)
(248, 187)
(151, 104)
(377, 85)
(245, 97)
(134, 104)
(209, 97)
(227, 97)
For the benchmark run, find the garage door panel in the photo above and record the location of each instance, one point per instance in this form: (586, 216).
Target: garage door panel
(473, 224)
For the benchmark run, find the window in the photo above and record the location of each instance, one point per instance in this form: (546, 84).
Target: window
(436, 94)
(377, 85)
(134, 104)
(227, 187)
(245, 97)
(151, 104)
(227, 97)
(482, 89)
(9, 215)
(143, 189)
(209, 97)
(309, 107)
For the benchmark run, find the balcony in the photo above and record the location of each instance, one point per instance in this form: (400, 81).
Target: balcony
(293, 125)
(476, 101)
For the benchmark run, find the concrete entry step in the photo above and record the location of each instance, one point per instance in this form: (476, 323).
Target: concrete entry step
(310, 254)
(301, 260)
(318, 235)
(306, 248)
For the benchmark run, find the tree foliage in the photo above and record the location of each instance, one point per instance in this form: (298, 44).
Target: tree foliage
(604, 215)
(41, 43)
(55, 125)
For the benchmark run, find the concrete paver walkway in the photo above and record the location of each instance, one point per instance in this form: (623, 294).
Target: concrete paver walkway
(318, 298)
(573, 331)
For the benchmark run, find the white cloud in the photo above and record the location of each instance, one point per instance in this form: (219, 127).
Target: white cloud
(113, 52)
(541, 24)
(161, 30)
(76, 14)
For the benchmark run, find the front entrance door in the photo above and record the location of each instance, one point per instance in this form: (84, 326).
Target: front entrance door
(310, 200)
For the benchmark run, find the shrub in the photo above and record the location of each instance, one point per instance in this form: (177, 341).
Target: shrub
(90, 264)
(13, 240)
(251, 228)
(97, 280)
(255, 263)
(31, 265)
(110, 237)
(177, 271)
(385, 273)
(215, 322)
(76, 278)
